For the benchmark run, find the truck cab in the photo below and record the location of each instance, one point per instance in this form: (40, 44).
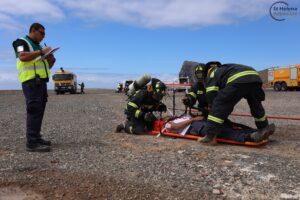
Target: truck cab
(65, 82)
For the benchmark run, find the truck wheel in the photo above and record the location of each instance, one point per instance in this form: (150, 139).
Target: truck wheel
(277, 87)
(284, 86)
(57, 92)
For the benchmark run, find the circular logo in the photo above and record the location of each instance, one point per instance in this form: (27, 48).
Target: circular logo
(275, 8)
(280, 10)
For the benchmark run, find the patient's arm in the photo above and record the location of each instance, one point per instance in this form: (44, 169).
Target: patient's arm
(174, 126)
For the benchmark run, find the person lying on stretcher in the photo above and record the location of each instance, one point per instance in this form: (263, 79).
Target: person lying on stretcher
(197, 126)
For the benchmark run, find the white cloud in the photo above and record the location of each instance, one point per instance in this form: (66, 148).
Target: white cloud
(168, 13)
(12, 10)
(8, 23)
(143, 13)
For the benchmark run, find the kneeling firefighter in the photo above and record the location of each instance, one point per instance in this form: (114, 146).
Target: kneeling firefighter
(140, 106)
(197, 92)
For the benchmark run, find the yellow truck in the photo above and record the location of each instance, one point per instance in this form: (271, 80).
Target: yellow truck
(285, 78)
(65, 82)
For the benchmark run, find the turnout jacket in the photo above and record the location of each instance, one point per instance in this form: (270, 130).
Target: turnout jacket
(141, 103)
(227, 74)
(197, 93)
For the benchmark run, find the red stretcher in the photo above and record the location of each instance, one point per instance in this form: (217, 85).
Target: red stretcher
(159, 124)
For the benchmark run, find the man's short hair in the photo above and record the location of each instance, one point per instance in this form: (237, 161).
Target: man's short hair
(35, 26)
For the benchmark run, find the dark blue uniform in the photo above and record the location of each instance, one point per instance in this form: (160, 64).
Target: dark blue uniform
(35, 93)
(229, 131)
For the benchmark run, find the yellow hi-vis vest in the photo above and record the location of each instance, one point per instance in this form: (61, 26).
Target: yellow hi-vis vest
(27, 70)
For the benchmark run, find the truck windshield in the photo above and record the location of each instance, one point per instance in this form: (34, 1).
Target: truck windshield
(62, 77)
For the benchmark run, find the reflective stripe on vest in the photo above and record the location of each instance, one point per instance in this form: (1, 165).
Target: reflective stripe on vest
(30, 68)
(215, 119)
(132, 104)
(199, 92)
(137, 113)
(264, 118)
(26, 69)
(240, 74)
(193, 94)
(28, 43)
(212, 88)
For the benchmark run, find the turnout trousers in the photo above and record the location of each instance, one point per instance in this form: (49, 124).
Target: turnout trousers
(36, 99)
(138, 126)
(228, 97)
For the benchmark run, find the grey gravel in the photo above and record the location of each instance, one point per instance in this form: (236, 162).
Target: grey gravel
(89, 161)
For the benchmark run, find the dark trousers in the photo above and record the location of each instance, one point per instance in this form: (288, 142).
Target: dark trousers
(36, 99)
(138, 126)
(228, 97)
(229, 131)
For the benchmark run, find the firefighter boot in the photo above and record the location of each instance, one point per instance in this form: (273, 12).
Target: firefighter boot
(119, 128)
(262, 134)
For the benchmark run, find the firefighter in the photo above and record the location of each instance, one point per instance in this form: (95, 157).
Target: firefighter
(197, 92)
(34, 74)
(226, 85)
(140, 106)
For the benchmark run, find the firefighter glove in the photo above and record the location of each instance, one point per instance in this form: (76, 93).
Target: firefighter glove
(149, 117)
(162, 107)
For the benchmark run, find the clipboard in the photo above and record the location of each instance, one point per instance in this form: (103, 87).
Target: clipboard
(47, 54)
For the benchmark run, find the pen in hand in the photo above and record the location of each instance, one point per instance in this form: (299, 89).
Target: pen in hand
(47, 46)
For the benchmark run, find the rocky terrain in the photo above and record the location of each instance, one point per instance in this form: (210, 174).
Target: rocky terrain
(89, 161)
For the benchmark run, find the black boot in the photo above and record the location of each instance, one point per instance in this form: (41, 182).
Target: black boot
(44, 142)
(119, 128)
(37, 148)
(208, 140)
(262, 134)
(272, 129)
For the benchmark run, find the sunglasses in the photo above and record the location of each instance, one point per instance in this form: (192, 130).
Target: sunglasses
(41, 32)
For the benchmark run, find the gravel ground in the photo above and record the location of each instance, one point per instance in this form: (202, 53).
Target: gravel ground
(89, 161)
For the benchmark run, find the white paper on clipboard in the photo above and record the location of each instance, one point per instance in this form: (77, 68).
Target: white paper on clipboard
(47, 54)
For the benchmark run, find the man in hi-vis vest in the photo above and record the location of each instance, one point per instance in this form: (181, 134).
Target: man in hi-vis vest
(34, 74)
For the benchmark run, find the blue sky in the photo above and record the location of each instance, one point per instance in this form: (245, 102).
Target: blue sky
(106, 42)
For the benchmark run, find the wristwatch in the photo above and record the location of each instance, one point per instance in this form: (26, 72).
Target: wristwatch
(41, 52)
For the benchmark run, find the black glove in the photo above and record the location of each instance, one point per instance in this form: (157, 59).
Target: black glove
(204, 111)
(161, 107)
(187, 101)
(149, 117)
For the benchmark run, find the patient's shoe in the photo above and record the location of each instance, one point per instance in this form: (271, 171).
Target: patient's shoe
(208, 140)
(119, 128)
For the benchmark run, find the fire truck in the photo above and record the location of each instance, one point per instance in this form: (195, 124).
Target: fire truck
(285, 78)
